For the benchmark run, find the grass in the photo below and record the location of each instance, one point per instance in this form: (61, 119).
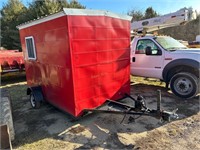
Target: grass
(16, 86)
(147, 81)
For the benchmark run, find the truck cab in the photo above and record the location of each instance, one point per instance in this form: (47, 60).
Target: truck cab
(165, 58)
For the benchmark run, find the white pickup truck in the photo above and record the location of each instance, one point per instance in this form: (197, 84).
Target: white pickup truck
(165, 58)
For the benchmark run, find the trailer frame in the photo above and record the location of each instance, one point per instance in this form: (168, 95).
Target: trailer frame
(139, 109)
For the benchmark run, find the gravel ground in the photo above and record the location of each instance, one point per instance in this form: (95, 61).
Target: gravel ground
(50, 128)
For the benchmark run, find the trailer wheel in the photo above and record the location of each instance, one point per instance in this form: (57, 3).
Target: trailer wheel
(35, 104)
(184, 85)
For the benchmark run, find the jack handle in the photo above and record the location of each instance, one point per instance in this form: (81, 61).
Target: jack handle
(165, 115)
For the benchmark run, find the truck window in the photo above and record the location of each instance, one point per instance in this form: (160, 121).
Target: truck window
(142, 44)
(140, 47)
(169, 43)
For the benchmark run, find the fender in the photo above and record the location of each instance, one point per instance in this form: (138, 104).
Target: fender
(37, 92)
(179, 62)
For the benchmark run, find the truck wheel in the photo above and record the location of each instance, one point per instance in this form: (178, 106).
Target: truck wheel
(184, 85)
(35, 104)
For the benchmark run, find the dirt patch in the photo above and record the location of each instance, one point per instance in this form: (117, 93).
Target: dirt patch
(182, 134)
(50, 128)
(76, 130)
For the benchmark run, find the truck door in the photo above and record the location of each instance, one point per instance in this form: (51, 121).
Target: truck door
(147, 65)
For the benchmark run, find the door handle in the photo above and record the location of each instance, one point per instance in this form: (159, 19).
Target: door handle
(133, 59)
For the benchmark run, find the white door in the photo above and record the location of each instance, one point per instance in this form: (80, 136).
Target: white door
(150, 65)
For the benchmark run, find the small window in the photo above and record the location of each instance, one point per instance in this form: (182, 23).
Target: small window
(30, 47)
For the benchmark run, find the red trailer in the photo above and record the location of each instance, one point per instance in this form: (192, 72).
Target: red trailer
(11, 61)
(77, 59)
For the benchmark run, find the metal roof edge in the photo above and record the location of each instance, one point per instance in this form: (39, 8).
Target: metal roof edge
(40, 20)
(92, 12)
(70, 11)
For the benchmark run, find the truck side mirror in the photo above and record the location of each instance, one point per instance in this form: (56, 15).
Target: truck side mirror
(148, 50)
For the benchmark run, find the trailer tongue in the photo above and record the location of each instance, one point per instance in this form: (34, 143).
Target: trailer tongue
(139, 108)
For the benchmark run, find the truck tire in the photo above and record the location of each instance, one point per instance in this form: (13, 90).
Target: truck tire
(35, 104)
(184, 85)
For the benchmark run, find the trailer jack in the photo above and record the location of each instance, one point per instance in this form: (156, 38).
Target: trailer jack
(138, 109)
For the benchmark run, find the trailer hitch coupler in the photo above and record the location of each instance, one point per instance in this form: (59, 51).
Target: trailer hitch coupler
(139, 103)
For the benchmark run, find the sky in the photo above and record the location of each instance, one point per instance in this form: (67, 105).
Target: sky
(123, 6)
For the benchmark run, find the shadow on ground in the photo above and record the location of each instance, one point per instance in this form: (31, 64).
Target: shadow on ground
(11, 78)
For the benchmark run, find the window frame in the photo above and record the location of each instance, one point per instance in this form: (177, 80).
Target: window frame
(140, 52)
(34, 50)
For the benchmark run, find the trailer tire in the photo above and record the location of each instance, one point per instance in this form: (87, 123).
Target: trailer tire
(184, 85)
(34, 103)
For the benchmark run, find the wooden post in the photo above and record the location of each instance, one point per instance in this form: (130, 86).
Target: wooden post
(5, 142)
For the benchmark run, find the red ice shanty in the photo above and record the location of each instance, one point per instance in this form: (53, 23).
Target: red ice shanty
(76, 59)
